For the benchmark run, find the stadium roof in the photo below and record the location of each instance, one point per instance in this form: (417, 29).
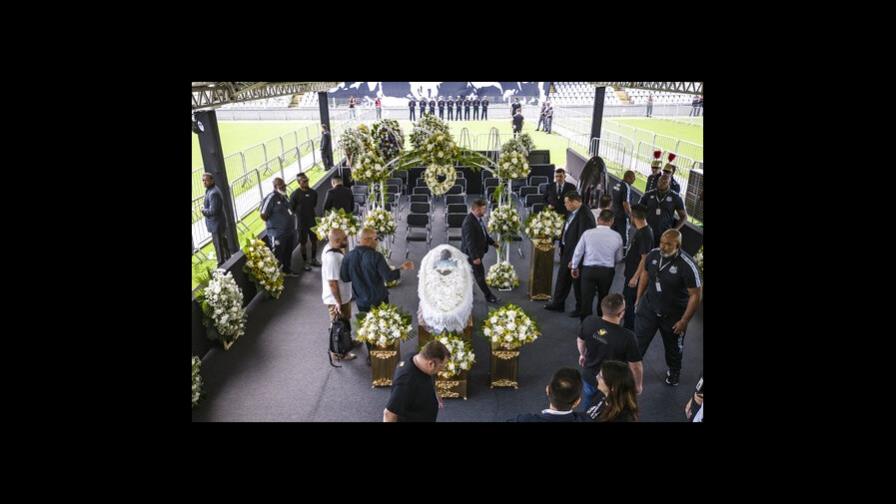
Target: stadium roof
(671, 87)
(214, 94)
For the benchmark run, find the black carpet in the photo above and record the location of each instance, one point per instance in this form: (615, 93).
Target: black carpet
(279, 371)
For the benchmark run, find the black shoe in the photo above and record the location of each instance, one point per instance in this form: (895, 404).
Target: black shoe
(672, 377)
(553, 307)
(493, 300)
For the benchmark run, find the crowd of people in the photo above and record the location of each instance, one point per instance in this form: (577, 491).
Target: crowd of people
(462, 105)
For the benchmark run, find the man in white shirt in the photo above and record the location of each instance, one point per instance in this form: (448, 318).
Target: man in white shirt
(337, 295)
(595, 259)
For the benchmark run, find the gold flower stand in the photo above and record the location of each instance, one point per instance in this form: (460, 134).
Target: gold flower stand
(424, 336)
(383, 361)
(541, 270)
(454, 387)
(505, 366)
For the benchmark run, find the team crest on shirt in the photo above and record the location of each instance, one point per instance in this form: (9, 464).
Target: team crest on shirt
(668, 198)
(673, 270)
(654, 261)
(602, 332)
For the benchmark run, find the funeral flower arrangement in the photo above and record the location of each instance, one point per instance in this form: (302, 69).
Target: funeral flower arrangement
(509, 327)
(381, 220)
(462, 357)
(544, 225)
(355, 141)
(502, 276)
(438, 148)
(505, 220)
(222, 303)
(384, 325)
(369, 167)
(522, 144)
(527, 143)
(699, 258)
(512, 165)
(336, 219)
(432, 174)
(197, 380)
(389, 138)
(426, 127)
(262, 267)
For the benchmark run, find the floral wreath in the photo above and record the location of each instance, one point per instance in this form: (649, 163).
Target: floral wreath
(432, 174)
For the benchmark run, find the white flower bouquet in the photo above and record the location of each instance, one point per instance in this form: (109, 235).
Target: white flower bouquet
(389, 138)
(432, 174)
(462, 356)
(699, 258)
(222, 304)
(512, 165)
(502, 276)
(384, 325)
(369, 167)
(355, 141)
(336, 219)
(382, 220)
(262, 267)
(438, 148)
(545, 225)
(197, 380)
(425, 128)
(505, 221)
(509, 327)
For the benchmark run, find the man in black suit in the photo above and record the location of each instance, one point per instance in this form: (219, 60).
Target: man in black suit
(411, 106)
(474, 242)
(432, 106)
(516, 106)
(578, 221)
(485, 108)
(553, 193)
(422, 104)
(441, 108)
(215, 222)
(450, 109)
(467, 109)
(326, 152)
(475, 108)
(339, 196)
(517, 123)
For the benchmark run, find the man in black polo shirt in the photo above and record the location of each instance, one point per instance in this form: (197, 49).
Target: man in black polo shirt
(668, 296)
(414, 396)
(662, 205)
(655, 172)
(642, 244)
(441, 108)
(603, 339)
(564, 394)
(450, 104)
(621, 192)
(411, 105)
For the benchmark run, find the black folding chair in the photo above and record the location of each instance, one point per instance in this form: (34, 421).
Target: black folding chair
(527, 190)
(453, 199)
(420, 198)
(423, 190)
(455, 190)
(421, 208)
(534, 180)
(543, 188)
(417, 221)
(454, 221)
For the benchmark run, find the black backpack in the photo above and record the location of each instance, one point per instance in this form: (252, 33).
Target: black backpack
(340, 338)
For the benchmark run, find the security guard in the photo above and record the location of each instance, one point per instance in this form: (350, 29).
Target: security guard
(668, 296)
(485, 109)
(432, 106)
(655, 173)
(475, 108)
(303, 203)
(662, 204)
(466, 109)
(411, 106)
(422, 104)
(516, 105)
(622, 210)
(441, 108)
(280, 224)
(450, 109)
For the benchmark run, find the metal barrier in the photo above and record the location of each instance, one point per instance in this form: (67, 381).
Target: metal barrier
(244, 191)
(616, 156)
(201, 236)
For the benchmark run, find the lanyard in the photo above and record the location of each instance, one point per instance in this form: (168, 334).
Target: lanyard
(671, 259)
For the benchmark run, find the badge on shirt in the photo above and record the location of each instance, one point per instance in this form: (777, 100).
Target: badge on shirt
(659, 212)
(654, 261)
(602, 332)
(673, 270)
(669, 198)
(658, 288)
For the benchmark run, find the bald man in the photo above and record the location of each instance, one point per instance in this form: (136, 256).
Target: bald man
(280, 225)
(368, 273)
(336, 295)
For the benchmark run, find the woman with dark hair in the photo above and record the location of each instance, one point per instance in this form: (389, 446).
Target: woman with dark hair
(618, 397)
(593, 181)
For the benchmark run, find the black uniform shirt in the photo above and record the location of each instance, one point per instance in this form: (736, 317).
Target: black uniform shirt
(303, 204)
(411, 104)
(642, 243)
(475, 104)
(605, 341)
(676, 275)
(450, 104)
(413, 396)
(661, 210)
(484, 103)
(441, 104)
(621, 191)
(466, 104)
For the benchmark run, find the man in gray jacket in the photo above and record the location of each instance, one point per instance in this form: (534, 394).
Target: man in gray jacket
(213, 210)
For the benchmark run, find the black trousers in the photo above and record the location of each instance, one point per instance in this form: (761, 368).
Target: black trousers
(305, 234)
(413, 115)
(432, 111)
(484, 113)
(646, 324)
(620, 225)
(629, 293)
(282, 247)
(422, 113)
(540, 122)
(466, 114)
(479, 274)
(222, 250)
(565, 281)
(441, 113)
(595, 280)
(476, 114)
(326, 158)
(450, 114)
